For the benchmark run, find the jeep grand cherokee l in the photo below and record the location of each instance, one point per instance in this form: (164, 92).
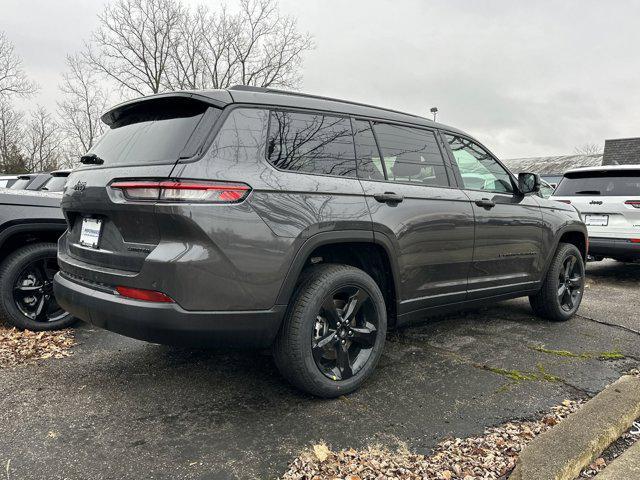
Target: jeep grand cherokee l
(262, 218)
(608, 198)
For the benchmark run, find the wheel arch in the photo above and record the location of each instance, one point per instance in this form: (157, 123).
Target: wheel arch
(358, 248)
(574, 233)
(576, 236)
(16, 234)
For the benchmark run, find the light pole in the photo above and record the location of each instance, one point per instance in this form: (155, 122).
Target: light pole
(434, 111)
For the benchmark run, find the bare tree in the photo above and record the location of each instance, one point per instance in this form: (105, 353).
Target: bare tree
(43, 142)
(10, 127)
(133, 43)
(84, 101)
(13, 80)
(588, 149)
(11, 134)
(148, 46)
(267, 46)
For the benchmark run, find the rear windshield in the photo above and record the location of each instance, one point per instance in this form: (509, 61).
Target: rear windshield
(20, 184)
(54, 184)
(613, 183)
(150, 132)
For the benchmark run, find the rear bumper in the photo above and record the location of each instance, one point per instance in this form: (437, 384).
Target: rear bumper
(615, 247)
(168, 323)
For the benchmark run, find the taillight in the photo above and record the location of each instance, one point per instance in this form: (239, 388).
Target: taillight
(563, 201)
(633, 203)
(146, 295)
(183, 191)
(634, 240)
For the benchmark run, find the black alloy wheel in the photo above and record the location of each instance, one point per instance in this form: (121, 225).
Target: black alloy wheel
(27, 299)
(334, 331)
(33, 291)
(570, 283)
(344, 332)
(562, 288)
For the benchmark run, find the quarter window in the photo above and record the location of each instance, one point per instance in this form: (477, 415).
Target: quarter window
(311, 143)
(411, 155)
(479, 170)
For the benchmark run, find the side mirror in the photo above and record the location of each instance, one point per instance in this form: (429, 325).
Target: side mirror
(528, 183)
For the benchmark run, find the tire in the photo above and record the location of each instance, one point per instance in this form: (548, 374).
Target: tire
(310, 322)
(553, 303)
(20, 275)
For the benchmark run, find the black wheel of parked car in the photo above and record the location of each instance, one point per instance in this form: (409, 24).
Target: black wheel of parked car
(26, 282)
(563, 287)
(334, 331)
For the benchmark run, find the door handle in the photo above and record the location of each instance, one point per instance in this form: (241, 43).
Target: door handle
(388, 197)
(486, 203)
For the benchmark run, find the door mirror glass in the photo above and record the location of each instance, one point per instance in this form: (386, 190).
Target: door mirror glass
(528, 182)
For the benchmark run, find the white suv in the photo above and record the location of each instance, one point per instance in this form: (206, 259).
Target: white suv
(608, 198)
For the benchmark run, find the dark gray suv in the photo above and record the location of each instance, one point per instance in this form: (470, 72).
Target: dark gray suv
(261, 218)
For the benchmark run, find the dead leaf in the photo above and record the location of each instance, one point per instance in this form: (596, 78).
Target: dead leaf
(322, 452)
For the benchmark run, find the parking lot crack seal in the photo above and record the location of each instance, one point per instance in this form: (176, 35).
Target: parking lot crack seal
(609, 324)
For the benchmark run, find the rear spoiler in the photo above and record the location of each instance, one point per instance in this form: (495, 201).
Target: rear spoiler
(217, 98)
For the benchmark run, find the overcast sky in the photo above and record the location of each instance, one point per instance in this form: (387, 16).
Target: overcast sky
(526, 78)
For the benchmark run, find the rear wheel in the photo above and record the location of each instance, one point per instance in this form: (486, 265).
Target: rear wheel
(334, 331)
(563, 287)
(26, 289)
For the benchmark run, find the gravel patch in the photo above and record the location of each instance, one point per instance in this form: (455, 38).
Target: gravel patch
(490, 456)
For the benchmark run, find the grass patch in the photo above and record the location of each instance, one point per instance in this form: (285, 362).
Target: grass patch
(541, 375)
(612, 355)
(559, 353)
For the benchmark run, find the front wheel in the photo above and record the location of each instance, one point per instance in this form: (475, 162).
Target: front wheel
(334, 331)
(26, 289)
(563, 286)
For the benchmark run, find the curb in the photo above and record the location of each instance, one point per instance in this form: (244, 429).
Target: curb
(626, 465)
(562, 452)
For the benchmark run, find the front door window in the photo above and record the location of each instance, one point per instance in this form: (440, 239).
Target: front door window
(479, 170)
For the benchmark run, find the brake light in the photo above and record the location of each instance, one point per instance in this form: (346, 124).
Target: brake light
(146, 295)
(183, 191)
(635, 240)
(564, 201)
(633, 203)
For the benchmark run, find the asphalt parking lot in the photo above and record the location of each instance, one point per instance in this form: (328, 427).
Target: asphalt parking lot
(119, 408)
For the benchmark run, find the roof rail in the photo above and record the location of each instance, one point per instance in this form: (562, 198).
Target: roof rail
(251, 88)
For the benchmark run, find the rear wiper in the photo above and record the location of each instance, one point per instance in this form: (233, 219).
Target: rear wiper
(588, 192)
(91, 158)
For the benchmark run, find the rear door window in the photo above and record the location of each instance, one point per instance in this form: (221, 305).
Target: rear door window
(411, 155)
(150, 132)
(312, 143)
(20, 184)
(54, 184)
(613, 183)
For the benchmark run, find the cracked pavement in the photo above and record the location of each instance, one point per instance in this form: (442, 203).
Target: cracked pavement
(120, 408)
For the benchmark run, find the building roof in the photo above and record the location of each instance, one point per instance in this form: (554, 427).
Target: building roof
(621, 151)
(552, 165)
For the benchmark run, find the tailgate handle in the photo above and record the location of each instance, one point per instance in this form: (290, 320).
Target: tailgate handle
(486, 203)
(388, 197)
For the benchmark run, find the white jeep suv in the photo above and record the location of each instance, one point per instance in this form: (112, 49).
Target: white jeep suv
(608, 199)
